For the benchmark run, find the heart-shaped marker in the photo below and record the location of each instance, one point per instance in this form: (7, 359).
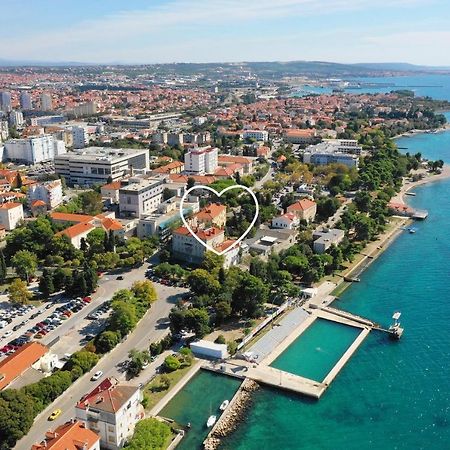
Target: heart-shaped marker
(219, 194)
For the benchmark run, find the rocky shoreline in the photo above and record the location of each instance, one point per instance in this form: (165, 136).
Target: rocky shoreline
(233, 415)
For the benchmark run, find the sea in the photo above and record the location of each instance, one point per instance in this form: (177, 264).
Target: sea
(391, 394)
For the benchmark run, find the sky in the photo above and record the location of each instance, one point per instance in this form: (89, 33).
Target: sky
(161, 31)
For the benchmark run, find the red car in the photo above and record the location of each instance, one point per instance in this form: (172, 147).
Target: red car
(87, 299)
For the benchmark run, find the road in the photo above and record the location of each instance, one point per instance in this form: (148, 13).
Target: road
(151, 328)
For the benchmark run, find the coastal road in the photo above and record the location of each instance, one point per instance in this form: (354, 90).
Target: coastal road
(151, 328)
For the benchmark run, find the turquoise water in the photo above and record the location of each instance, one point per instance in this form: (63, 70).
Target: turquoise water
(314, 353)
(391, 395)
(200, 398)
(435, 86)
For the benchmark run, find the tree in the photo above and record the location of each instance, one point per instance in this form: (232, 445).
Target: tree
(17, 412)
(137, 361)
(96, 241)
(177, 322)
(190, 183)
(46, 285)
(171, 363)
(90, 277)
(106, 341)
(202, 282)
(363, 200)
(2, 267)
(91, 202)
(84, 359)
(149, 434)
(249, 296)
(18, 292)
(145, 292)
(212, 262)
(197, 320)
(123, 318)
(223, 311)
(25, 264)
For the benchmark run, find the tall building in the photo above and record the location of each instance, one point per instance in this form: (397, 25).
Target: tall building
(111, 410)
(4, 130)
(16, 119)
(46, 102)
(33, 150)
(100, 165)
(80, 137)
(5, 101)
(83, 110)
(201, 161)
(142, 197)
(26, 102)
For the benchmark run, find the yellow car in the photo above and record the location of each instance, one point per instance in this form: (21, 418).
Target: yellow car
(54, 414)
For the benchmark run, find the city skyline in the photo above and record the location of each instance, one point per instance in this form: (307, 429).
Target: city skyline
(343, 31)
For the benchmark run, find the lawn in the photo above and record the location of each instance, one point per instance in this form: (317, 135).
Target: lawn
(155, 396)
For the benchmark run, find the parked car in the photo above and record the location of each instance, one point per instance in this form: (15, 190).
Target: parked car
(97, 375)
(56, 413)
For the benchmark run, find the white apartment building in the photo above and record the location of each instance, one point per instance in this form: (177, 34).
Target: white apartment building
(93, 165)
(46, 102)
(141, 197)
(80, 137)
(83, 110)
(16, 119)
(257, 135)
(199, 120)
(33, 150)
(201, 161)
(4, 130)
(25, 101)
(49, 192)
(10, 215)
(324, 239)
(343, 145)
(342, 151)
(111, 410)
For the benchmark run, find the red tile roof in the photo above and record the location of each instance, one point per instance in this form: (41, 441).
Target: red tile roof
(76, 230)
(115, 185)
(72, 435)
(301, 205)
(36, 203)
(10, 205)
(211, 211)
(15, 364)
(111, 224)
(68, 217)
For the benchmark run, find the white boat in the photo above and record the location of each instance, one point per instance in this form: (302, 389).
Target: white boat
(224, 405)
(211, 421)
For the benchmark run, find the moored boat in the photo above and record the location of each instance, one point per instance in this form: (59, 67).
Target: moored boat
(224, 405)
(211, 421)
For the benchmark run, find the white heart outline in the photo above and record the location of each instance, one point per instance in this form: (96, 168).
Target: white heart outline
(219, 194)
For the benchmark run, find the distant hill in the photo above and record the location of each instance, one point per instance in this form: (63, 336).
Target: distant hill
(29, 63)
(404, 67)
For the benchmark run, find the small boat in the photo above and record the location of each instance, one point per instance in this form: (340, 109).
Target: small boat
(211, 421)
(412, 230)
(224, 405)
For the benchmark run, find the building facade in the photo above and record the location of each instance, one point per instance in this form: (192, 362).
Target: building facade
(33, 150)
(111, 410)
(201, 161)
(100, 165)
(11, 214)
(141, 197)
(49, 192)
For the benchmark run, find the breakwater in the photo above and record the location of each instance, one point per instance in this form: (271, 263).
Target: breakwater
(232, 416)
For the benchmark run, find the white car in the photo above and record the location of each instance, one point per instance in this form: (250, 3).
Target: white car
(97, 375)
(7, 334)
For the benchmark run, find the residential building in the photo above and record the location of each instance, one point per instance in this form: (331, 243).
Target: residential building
(159, 138)
(171, 168)
(5, 101)
(80, 137)
(76, 233)
(213, 214)
(300, 136)
(198, 121)
(50, 192)
(267, 241)
(46, 102)
(325, 158)
(11, 214)
(16, 119)
(111, 410)
(33, 150)
(257, 135)
(304, 209)
(13, 366)
(230, 160)
(324, 239)
(72, 435)
(4, 130)
(84, 110)
(100, 164)
(26, 102)
(175, 139)
(343, 145)
(38, 208)
(201, 161)
(186, 248)
(141, 197)
(286, 221)
(110, 191)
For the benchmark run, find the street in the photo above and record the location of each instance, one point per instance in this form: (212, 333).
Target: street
(151, 328)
